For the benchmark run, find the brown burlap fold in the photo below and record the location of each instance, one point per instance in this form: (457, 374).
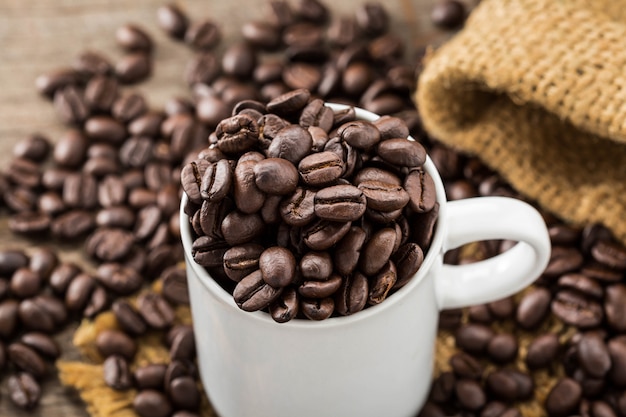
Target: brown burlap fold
(537, 89)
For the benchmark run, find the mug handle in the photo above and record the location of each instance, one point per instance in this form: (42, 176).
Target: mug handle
(484, 218)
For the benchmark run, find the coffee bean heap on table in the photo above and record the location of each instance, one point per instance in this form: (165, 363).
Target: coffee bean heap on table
(39, 296)
(567, 332)
(507, 351)
(308, 210)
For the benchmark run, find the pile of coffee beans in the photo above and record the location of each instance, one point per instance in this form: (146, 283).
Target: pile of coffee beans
(566, 332)
(39, 295)
(308, 210)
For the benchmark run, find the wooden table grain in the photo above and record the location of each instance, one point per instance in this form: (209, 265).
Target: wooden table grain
(40, 35)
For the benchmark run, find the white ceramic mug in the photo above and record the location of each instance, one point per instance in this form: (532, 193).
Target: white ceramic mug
(379, 361)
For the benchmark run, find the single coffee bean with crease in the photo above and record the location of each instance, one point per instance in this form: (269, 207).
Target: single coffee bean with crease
(155, 310)
(24, 390)
(114, 342)
(116, 373)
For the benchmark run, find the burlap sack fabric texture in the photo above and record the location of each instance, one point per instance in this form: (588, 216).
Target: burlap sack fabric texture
(537, 89)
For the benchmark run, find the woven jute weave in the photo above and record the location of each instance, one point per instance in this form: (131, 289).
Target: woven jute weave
(537, 90)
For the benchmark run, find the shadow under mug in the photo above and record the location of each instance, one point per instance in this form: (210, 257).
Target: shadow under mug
(379, 361)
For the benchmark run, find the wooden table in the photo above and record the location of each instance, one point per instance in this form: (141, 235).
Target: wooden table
(40, 35)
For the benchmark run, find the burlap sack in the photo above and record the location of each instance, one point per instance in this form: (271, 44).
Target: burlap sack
(537, 89)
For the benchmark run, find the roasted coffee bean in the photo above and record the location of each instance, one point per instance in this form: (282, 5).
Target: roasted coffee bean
(610, 254)
(70, 105)
(593, 355)
(183, 345)
(289, 103)
(542, 351)
(29, 223)
(42, 313)
(320, 289)
(42, 344)
(116, 373)
(382, 283)
(617, 351)
(317, 309)
(155, 310)
(172, 20)
(133, 38)
(62, 275)
(563, 260)
(152, 403)
(615, 308)
(208, 252)
(277, 266)
(24, 390)
(118, 278)
(50, 204)
(184, 393)
(42, 261)
(97, 302)
(347, 252)
(25, 283)
(372, 18)
(26, 359)
(502, 348)
(191, 179)
(115, 217)
(8, 317)
(323, 234)
(203, 35)
(91, 63)
(442, 389)
(79, 291)
(70, 150)
(533, 308)
(320, 168)
(239, 60)
(408, 259)
(577, 310)
(24, 172)
(175, 288)
(52, 81)
(292, 143)
(239, 228)
(563, 398)
(298, 209)
(474, 338)
(248, 197)
(80, 191)
(133, 68)
(109, 244)
(275, 176)
(11, 260)
(340, 203)
(316, 266)
(216, 181)
(150, 376)
(237, 134)
(242, 260)
(352, 296)
(128, 318)
(203, 68)
(384, 196)
(448, 14)
(72, 224)
(377, 251)
(359, 133)
(253, 293)
(502, 385)
(581, 283)
(148, 219)
(421, 189)
(129, 107)
(285, 307)
(101, 92)
(466, 366)
(114, 342)
(470, 394)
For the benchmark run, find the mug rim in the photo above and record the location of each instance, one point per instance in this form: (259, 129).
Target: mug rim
(433, 253)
